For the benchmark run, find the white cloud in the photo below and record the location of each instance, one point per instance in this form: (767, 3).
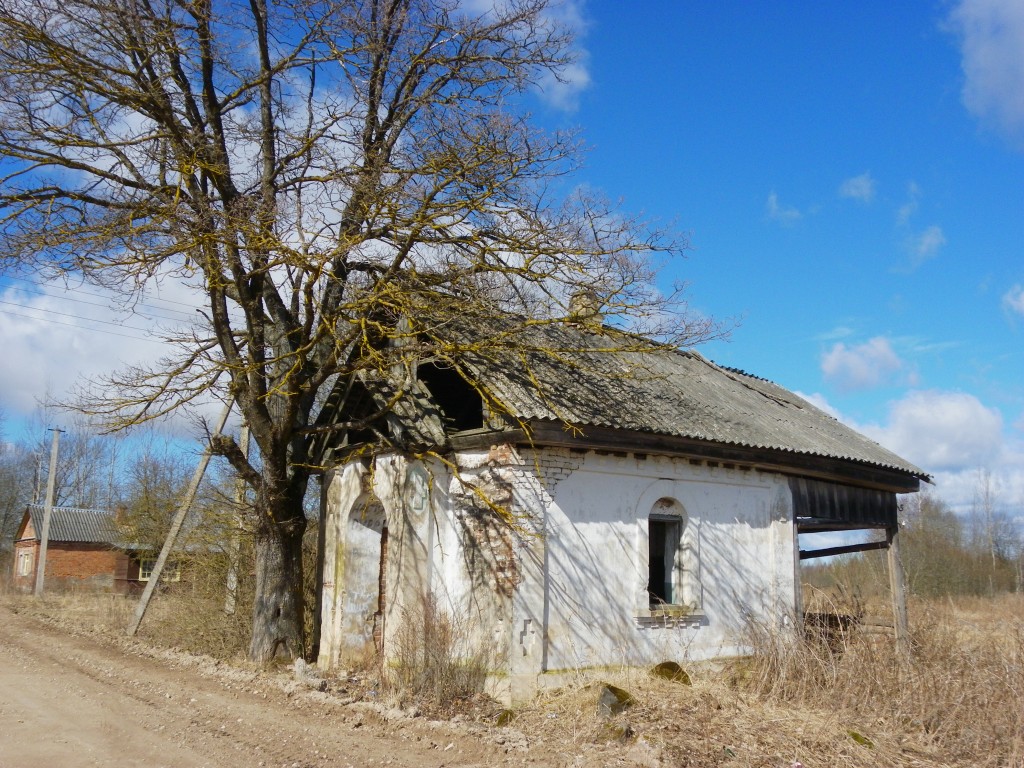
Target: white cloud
(778, 212)
(991, 34)
(862, 366)
(925, 245)
(859, 188)
(909, 208)
(55, 339)
(1013, 299)
(563, 91)
(818, 400)
(839, 332)
(942, 431)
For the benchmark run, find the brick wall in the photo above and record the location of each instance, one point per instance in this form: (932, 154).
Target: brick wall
(72, 566)
(27, 581)
(490, 552)
(85, 562)
(553, 465)
(520, 481)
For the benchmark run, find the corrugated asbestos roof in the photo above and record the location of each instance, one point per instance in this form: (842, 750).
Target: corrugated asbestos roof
(72, 524)
(566, 373)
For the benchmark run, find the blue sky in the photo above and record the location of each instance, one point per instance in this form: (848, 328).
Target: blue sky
(851, 179)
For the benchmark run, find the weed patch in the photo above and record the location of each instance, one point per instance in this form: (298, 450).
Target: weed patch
(437, 665)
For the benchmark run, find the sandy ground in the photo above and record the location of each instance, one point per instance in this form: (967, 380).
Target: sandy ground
(70, 701)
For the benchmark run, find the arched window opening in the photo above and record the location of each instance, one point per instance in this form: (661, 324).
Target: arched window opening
(671, 562)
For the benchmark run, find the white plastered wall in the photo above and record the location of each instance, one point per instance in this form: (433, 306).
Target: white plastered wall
(436, 552)
(567, 590)
(739, 527)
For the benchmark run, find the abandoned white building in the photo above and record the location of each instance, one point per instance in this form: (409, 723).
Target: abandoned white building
(624, 509)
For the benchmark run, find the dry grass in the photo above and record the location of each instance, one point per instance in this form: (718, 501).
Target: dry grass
(436, 667)
(820, 701)
(78, 612)
(183, 621)
(958, 699)
(710, 723)
(196, 624)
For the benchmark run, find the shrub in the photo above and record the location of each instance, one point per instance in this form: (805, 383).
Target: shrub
(436, 663)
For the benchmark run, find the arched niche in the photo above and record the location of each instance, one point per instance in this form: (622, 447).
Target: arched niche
(667, 553)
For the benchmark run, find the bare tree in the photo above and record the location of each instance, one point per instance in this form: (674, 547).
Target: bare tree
(995, 533)
(339, 180)
(16, 467)
(152, 484)
(87, 463)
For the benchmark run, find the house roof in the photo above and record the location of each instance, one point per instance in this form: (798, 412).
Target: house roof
(585, 376)
(96, 526)
(74, 524)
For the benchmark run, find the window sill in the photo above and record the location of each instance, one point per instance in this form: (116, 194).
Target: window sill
(671, 617)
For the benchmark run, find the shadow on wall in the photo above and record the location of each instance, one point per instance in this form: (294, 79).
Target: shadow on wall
(604, 576)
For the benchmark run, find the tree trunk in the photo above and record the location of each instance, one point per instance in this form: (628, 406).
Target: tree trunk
(277, 615)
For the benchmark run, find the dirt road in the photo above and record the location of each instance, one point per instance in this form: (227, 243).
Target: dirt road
(72, 701)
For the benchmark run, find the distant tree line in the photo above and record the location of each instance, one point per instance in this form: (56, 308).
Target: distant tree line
(141, 479)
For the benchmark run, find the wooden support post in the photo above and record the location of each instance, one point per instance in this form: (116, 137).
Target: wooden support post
(179, 518)
(898, 585)
(798, 587)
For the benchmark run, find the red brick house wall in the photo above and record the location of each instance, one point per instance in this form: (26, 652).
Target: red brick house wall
(25, 581)
(71, 565)
(84, 558)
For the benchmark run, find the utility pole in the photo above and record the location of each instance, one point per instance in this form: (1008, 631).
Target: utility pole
(44, 536)
(39, 477)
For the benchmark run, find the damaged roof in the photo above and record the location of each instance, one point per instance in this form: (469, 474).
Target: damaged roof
(589, 376)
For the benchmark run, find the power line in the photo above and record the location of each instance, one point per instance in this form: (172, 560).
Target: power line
(91, 330)
(147, 315)
(144, 302)
(76, 317)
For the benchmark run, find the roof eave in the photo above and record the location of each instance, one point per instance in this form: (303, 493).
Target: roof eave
(554, 434)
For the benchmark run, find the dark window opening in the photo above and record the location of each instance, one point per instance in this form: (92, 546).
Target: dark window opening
(361, 436)
(663, 538)
(462, 406)
(359, 405)
(382, 597)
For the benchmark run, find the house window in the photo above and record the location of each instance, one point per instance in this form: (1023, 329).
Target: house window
(172, 570)
(671, 559)
(25, 562)
(663, 541)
